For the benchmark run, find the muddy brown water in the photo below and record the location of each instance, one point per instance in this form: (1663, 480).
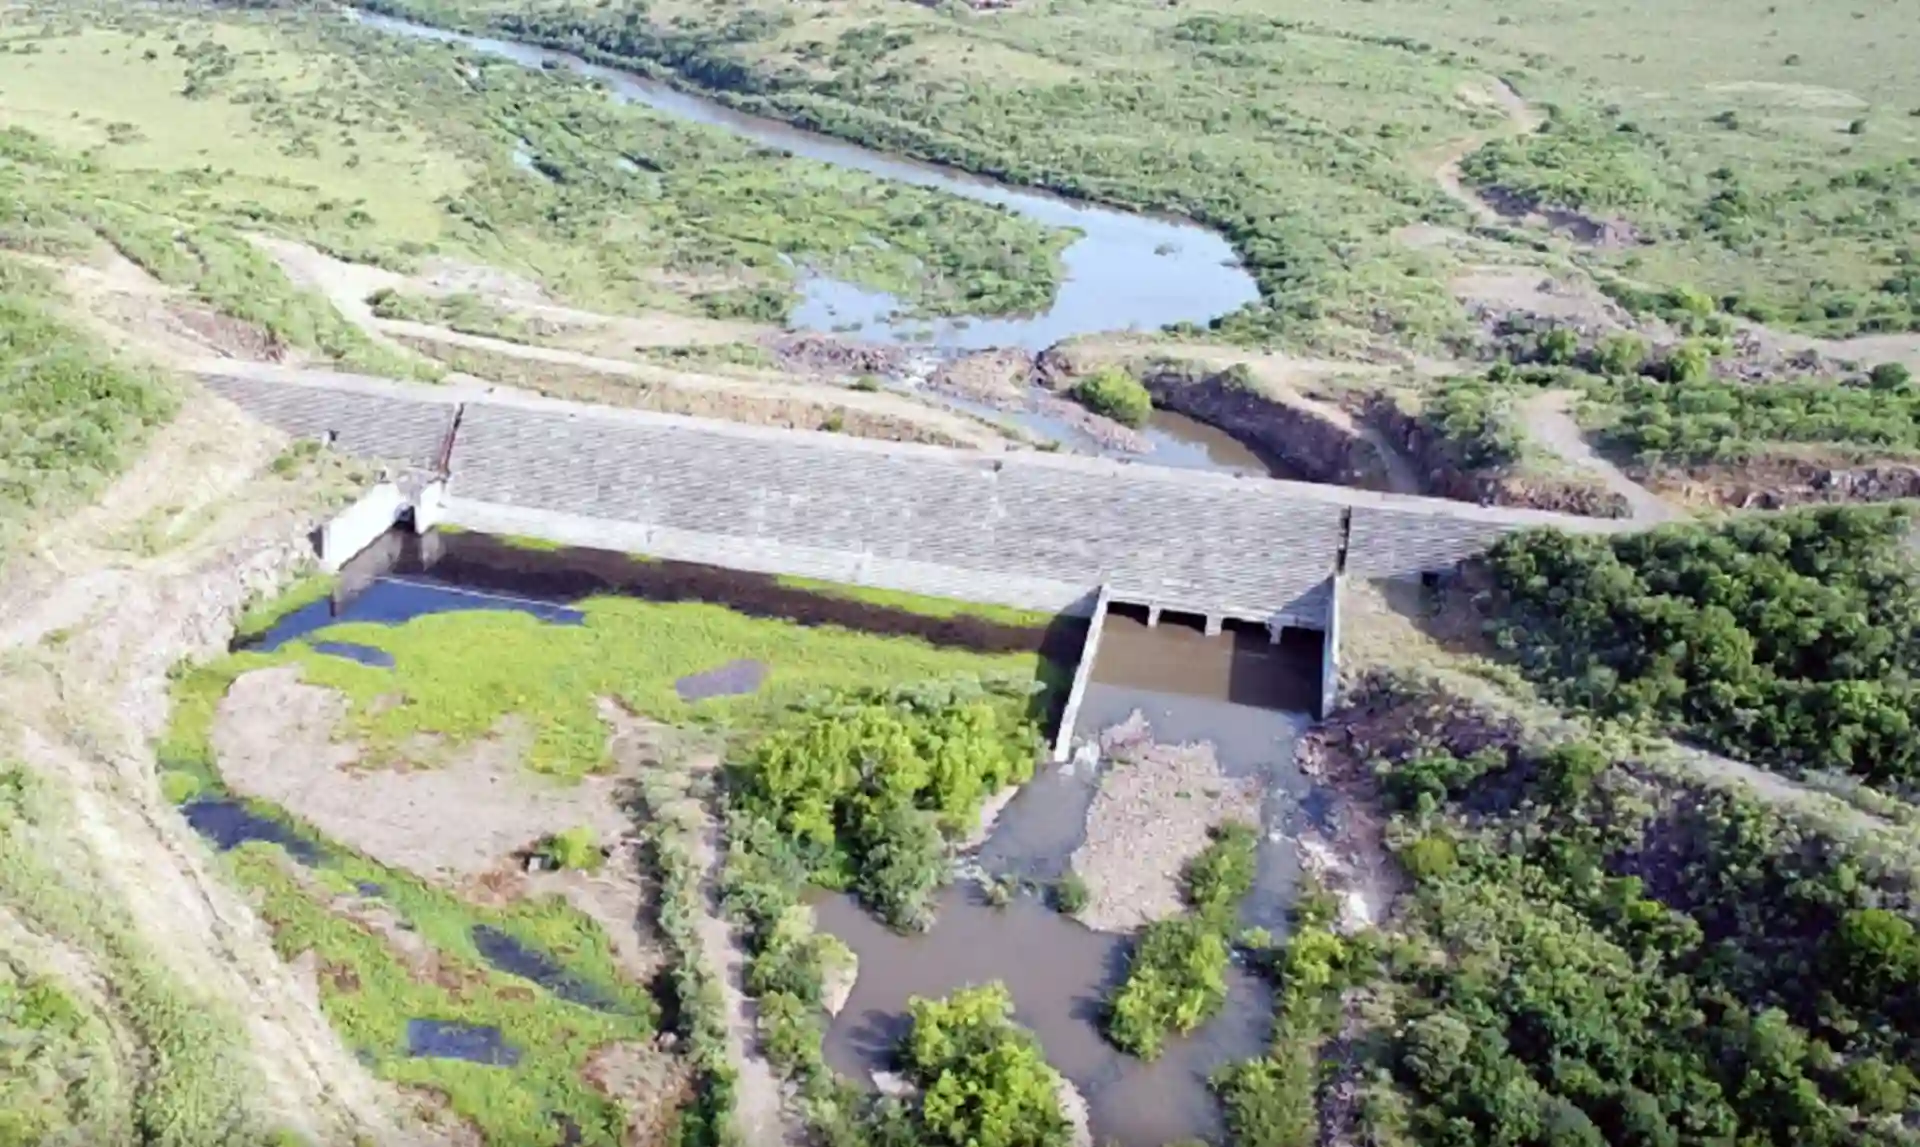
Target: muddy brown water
(1245, 696)
(1235, 690)
(1057, 973)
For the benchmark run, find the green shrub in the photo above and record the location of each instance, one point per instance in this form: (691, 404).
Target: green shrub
(870, 785)
(1473, 423)
(1215, 881)
(178, 786)
(1713, 420)
(1621, 355)
(1115, 394)
(983, 1080)
(1788, 640)
(574, 848)
(1069, 894)
(1176, 980)
(1269, 1102)
(1890, 376)
(1431, 857)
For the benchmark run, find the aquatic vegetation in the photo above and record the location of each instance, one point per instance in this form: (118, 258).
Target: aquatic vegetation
(263, 615)
(410, 954)
(551, 676)
(1177, 975)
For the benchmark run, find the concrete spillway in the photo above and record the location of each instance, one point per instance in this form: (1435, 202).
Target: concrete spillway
(1031, 530)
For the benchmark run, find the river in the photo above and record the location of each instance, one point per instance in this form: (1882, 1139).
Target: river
(1125, 271)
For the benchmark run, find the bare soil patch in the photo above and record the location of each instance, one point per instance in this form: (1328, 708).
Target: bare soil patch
(1153, 812)
(1779, 482)
(771, 401)
(1550, 426)
(650, 1084)
(274, 739)
(998, 378)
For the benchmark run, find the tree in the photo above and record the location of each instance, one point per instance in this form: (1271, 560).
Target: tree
(1559, 346)
(1621, 355)
(1434, 1049)
(1874, 953)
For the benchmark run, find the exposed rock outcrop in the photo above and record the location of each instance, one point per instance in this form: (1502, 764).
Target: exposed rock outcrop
(1777, 483)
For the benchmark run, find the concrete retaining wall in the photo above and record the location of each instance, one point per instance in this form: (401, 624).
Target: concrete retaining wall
(1083, 673)
(1330, 651)
(360, 524)
(1031, 530)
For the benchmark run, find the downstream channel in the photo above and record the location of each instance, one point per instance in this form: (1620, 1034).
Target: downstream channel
(1237, 691)
(1125, 271)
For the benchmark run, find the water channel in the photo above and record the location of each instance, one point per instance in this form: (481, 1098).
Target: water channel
(1125, 270)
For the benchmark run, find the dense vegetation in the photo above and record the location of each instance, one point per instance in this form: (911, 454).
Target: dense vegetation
(1711, 420)
(69, 415)
(1177, 974)
(1472, 422)
(982, 1080)
(870, 786)
(1114, 393)
(1593, 953)
(1790, 640)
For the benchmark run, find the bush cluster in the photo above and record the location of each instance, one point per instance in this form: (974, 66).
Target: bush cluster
(1115, 394)
(983, 1080)
(1710, 420)
(1628, 960)
(870, 785)
(1177, 975)
(1791, 640)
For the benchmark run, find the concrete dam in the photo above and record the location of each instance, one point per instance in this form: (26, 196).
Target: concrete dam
(1031, 530)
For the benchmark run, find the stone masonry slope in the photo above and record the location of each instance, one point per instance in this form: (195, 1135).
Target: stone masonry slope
(1038, 530)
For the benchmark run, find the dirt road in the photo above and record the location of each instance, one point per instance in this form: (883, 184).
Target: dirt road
(92, 617)
(1550, 425)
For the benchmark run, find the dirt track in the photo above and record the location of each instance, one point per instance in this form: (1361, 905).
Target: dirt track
(88, 636)
(1550, 426)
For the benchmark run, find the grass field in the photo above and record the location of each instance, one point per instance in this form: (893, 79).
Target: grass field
(199, 120)
(70, 416)
(1754, 142)
(141, 1057)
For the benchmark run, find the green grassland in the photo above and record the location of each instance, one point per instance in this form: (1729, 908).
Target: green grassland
(70, 416)
(1766, 148)
(148, 1059)
(171, 130)
(548, 676)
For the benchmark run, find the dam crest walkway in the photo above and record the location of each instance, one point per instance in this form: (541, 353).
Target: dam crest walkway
(1032, 530)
